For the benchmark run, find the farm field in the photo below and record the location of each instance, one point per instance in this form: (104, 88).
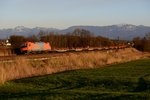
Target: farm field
(125, 81)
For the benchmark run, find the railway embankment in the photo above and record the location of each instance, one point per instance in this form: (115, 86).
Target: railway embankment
(29, 66)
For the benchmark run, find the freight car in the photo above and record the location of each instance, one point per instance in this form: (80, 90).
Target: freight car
(35, 47)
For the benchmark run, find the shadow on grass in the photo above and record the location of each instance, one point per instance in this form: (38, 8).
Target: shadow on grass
(67, 95)
(143, 84)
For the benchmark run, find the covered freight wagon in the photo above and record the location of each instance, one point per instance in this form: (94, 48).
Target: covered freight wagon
(35, 47)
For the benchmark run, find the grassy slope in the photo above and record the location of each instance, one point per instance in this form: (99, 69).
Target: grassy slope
(122, 81)
(22, 67)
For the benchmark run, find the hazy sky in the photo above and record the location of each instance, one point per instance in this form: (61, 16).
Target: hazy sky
(65, 13)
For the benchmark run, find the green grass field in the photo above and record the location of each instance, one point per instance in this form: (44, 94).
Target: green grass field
(126, 81)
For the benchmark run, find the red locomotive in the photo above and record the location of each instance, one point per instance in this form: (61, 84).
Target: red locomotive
(35, 47)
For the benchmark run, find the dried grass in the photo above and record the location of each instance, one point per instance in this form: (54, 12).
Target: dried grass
(21, 67)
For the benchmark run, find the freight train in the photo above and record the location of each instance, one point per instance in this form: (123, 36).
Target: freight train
(45, 47)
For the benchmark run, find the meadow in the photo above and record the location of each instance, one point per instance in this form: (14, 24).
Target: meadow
(125, 81)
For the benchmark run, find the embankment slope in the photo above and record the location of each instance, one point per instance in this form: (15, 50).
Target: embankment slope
(21, 67)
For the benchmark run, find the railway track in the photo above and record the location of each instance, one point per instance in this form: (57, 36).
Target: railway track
(56, 53)
(31, 56)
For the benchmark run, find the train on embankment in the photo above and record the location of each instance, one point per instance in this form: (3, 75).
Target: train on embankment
(45, 47)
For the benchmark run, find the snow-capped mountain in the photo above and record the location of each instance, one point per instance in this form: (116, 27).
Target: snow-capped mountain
(123, 31)
(24, 31)
(20, 29)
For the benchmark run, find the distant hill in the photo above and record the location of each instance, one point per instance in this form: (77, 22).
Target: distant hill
(24, 31)
(123, 31)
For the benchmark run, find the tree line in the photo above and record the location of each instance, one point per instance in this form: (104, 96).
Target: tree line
(142, 44)
(79, 38)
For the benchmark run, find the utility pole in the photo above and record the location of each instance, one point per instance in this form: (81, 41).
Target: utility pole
(118, 43)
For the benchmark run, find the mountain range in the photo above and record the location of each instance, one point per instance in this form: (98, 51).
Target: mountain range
(123, 31)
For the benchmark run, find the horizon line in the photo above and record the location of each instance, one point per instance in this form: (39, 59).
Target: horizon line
(71, 26)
